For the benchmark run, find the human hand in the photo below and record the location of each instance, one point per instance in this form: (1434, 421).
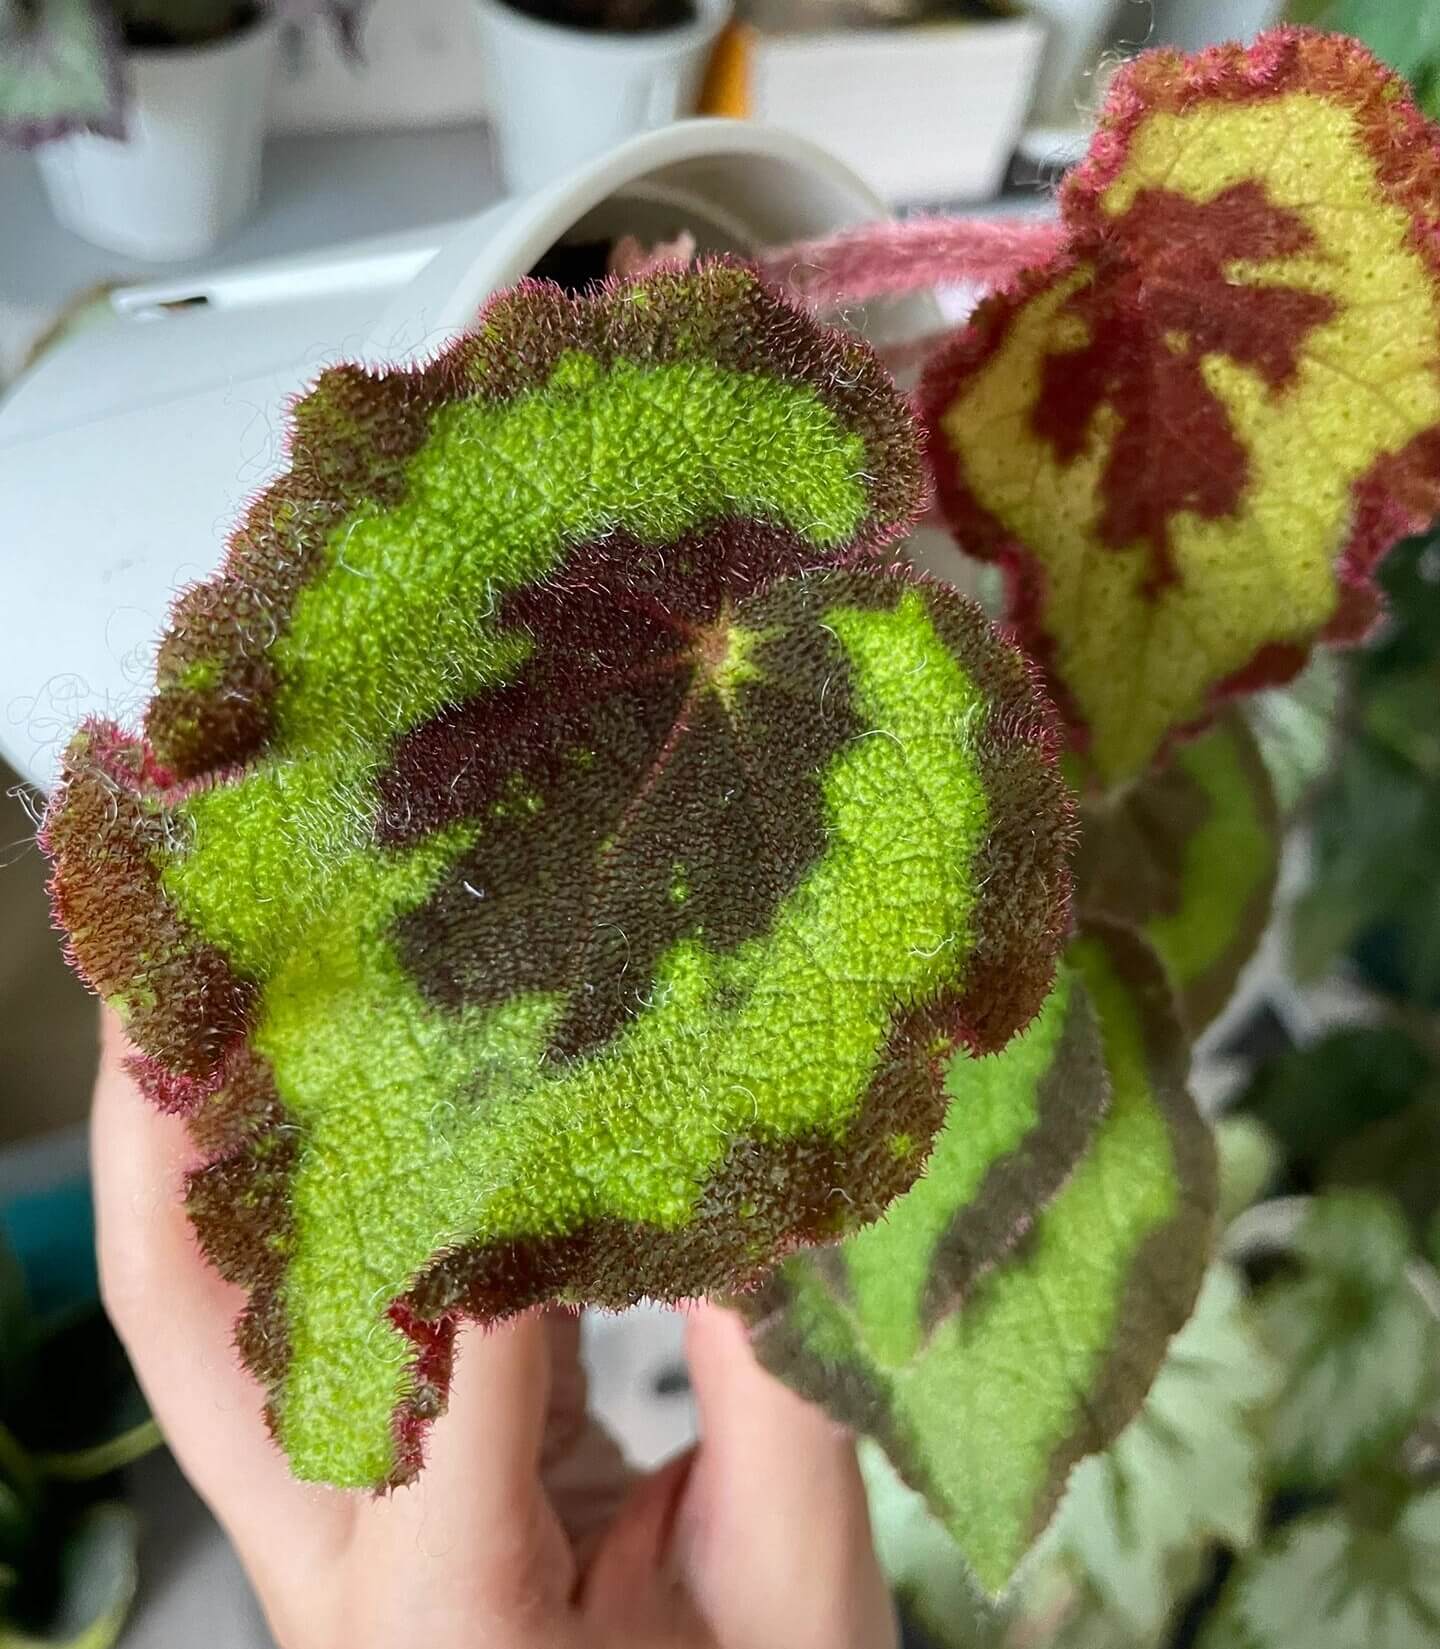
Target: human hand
(526, 1530)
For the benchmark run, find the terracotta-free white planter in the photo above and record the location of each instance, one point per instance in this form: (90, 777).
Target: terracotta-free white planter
(188, 171)
(562, 96)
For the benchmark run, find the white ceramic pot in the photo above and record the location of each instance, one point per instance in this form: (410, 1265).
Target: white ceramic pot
(1192, 25)
(1077, 30)
(188, 170)
(562, 96)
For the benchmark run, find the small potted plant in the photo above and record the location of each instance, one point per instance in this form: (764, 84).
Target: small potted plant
(147, 115)
(572, 77)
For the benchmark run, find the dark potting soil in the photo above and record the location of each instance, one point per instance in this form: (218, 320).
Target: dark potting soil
(150, 32)
(609, 16)
(576, 267)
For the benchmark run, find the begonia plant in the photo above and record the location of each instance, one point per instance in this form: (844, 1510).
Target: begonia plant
(570, 858)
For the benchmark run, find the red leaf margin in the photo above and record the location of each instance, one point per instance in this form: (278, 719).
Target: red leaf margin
(1399, 494)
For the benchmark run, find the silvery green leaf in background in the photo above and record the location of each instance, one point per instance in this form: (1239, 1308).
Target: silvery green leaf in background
(1337, 1581)
(59, 71)
(1294, 726)
(1137, 1520)
(1249, 1157)
(1360, 1347)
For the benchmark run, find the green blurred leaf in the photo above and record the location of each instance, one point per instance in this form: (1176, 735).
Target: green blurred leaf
(59, 71)
(1399, 717)
(17, 1523)
(81, 1413)
(95, 1586)
(18, 1470)
(923, 1564)
(1375, 825)
(1249, 1157)
(1295, 728)
(1361, 1352)
(1375, 849)
(1138, 1519)
(986, 1396)
(1314, 1098)
(1188, 855)
(1403, 33)
(1330, 1581)
(1401, 1154)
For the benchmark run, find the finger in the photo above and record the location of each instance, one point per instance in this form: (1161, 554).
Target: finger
(582, 1468)
(632, 1593)
(477, 1508)
(775, 1495)
(176, 1318)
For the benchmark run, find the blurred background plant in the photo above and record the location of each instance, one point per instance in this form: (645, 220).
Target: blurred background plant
(1405, 33)
(71, 1416)
(62, 62)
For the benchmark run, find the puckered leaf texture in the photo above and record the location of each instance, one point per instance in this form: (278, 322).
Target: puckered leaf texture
(562, 857)
(988, 1341)
(1189, 854)
(1190, 435)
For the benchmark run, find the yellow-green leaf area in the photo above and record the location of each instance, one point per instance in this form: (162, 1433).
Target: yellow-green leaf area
(401, 620)
(779, 1037)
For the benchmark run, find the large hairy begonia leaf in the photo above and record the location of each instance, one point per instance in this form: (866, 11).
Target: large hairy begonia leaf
(1191, 434)
(987, 1380)
(562, 859)
(1188, 854)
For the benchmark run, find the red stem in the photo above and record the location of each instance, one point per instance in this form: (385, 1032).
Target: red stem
(888, 259)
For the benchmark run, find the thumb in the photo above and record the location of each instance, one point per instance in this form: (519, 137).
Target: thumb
(773, 1533)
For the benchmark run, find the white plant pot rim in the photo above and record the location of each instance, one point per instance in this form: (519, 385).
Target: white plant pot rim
(504, 242)
(709, 17)
(164, 518)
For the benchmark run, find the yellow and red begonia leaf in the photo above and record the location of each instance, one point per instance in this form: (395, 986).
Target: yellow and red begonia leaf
(1190, 435)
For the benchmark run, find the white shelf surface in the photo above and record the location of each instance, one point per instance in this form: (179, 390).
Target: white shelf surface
(316, 191)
